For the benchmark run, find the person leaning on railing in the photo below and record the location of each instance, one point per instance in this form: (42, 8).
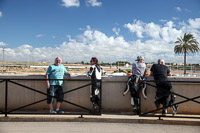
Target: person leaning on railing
(139, 67)
(54, 87)
(138, 74)
(164, 88)
(95, 72)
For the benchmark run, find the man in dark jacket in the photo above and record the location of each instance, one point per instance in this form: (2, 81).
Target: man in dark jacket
(164, 88)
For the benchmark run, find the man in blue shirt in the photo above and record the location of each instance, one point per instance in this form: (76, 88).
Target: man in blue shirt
(54, 87)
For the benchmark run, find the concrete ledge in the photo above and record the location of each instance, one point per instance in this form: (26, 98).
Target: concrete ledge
(102, 119)
(20, 94)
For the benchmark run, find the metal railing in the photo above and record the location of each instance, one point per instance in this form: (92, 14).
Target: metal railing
(89, 111)
(187, 99)
(13, 111)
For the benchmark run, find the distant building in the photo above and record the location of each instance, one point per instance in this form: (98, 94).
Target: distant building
(179, 64)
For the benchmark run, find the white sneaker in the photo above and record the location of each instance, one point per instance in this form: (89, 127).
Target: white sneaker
(59, 111)
(52, 112)
(174, 109)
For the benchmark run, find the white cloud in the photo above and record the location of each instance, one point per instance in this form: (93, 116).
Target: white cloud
(3, 44)
(152, 30)
(192, 26)
(154, 41)
(137, 27)
(175, 18)
(194, 23)
(1, 14)
(162, 37)
(178, 9)
(116, 30)
(93, 3)
(163, 20)
(71, 3)
(40, 35)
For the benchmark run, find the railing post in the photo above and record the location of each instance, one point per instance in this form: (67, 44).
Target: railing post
(100, 97)
(6, 97)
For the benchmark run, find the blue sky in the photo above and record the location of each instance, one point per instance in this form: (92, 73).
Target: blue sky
(111, 30)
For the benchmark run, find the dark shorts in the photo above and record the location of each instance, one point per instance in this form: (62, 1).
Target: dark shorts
(163, 89)
(57, 91)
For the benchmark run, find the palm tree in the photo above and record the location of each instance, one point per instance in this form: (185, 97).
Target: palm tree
(186, 44)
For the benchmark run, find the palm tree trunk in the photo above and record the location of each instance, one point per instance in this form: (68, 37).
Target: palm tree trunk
(184, 62)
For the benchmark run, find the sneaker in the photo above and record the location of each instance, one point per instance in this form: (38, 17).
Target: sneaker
(59, 111)
(174, 109)
(164, 112)
(136, 110)
(52, 112)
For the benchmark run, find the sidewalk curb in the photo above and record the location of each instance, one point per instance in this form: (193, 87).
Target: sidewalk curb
(100, 120)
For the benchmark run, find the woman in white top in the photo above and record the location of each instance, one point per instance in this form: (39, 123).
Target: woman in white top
(95, 73)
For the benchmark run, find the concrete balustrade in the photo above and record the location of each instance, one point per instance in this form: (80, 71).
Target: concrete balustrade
(113, 100)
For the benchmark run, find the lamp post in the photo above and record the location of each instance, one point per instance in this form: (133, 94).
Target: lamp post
(3, 49)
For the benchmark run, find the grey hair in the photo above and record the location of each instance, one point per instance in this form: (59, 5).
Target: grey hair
(161, 61)
(58, 58)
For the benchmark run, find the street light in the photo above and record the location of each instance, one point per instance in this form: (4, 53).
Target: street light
(3, 49)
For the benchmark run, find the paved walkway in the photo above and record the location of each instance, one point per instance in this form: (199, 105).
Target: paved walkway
(96, 124)
(107, 118)
(92, 127)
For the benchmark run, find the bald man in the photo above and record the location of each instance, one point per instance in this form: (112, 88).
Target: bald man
(54, 87)
(160, 72)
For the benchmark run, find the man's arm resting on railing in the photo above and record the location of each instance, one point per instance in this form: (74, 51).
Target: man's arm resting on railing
(169, 74)
(68, 75)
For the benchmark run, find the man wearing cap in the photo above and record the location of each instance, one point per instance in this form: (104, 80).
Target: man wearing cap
(139, 67)
(135, 84)
(160, 72)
